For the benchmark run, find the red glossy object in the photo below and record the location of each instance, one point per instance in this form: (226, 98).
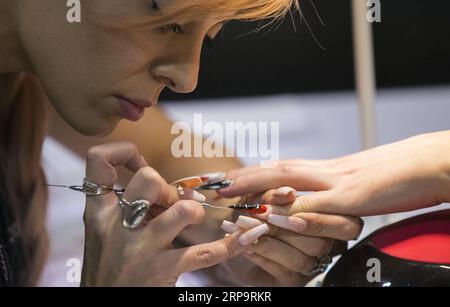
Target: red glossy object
(262, 209)
(425, 241)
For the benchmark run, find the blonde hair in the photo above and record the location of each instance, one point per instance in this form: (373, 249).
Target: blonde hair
(243, 10)
(237, 9)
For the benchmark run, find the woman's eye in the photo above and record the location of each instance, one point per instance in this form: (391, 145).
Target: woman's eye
(178, 29)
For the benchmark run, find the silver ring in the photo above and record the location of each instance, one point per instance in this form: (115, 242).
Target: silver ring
(180, 191)
(134, 213)
(90, 188)
(322, 264)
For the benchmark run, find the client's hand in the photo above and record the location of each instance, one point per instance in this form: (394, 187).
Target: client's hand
(290, 250)
(402, 176)
(116, 256)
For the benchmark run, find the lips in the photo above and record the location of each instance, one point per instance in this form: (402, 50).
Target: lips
(132, 109)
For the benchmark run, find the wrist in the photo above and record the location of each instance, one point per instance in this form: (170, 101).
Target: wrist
(435, 162)
(444, 167)
(446, 181)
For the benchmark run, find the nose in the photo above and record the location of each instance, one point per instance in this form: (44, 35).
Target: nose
(180, 68)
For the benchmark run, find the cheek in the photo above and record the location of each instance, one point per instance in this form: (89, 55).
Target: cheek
(123, 55)
(83, 60)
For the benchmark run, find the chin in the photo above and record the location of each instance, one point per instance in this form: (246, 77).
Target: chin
(98, 130)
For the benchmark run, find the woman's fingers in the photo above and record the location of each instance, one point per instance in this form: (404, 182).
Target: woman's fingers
(280, 196)
(156, 211)
(284, 254)
(101, 169)
(146, 183)
(102, 160)
(149, 185)
(283, 275)
(233, 174)
(292, 217)
(206, 255)
(300, 177)
(318, 202)
(168, 225)
(337, 227)
(311, 246)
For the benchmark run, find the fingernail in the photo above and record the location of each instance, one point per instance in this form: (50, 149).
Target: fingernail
(263, 216)
(284, 191)
(253, 234)
(191, 194)
(295, 224)
(213, 177)
(198, 196)
(229, 227)
(247, 222)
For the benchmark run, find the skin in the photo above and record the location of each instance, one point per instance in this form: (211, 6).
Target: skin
(81, 68)
(407, 175)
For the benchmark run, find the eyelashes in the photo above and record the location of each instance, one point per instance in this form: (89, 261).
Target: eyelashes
(178, 30)
(172, 28)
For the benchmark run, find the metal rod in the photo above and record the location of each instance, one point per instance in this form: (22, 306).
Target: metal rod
(364, 71)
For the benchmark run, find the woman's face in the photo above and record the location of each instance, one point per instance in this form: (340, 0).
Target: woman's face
(96, 76)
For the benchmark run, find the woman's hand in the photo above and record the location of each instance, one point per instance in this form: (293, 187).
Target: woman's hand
(407, 175)
(289, 252)
(116, 256)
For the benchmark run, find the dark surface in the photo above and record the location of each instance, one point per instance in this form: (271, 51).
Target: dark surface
(412, 48)
(12, 253)
(351, 269)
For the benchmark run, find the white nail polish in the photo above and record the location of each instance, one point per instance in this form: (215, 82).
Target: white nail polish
(253, 234)
(247, 222)
(198, 197)
(288, 222)
(229, 227)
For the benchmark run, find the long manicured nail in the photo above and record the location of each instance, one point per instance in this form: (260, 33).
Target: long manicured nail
(295, 224)
(247, 222)
(284, 191)
(253, 234)
(197, 196)
(191, 194)
(213, 177)
(229, 227)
